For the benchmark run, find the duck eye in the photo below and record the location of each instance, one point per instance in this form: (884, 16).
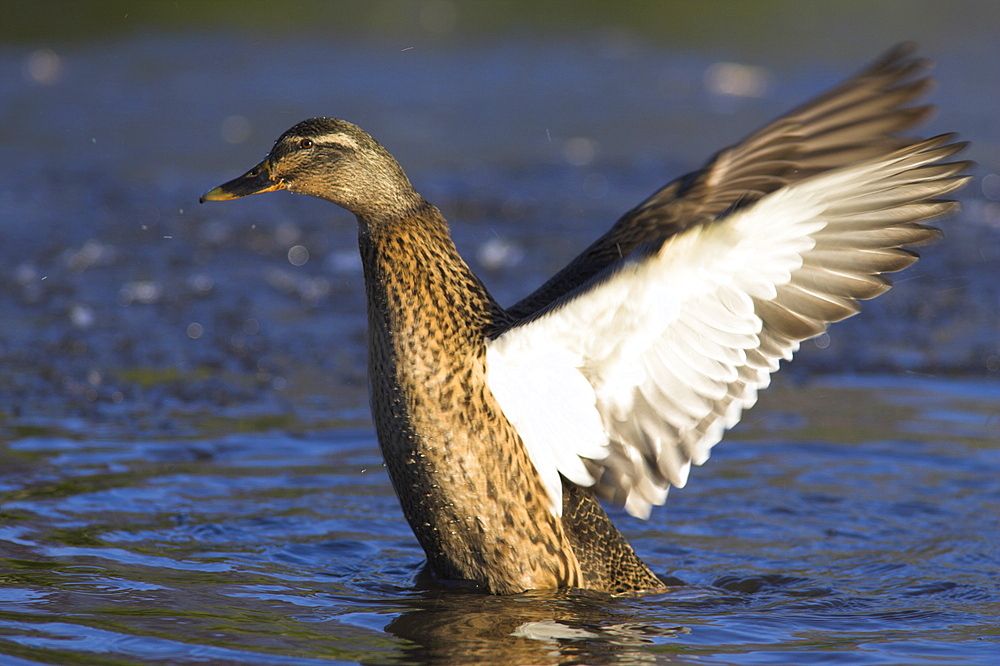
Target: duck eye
(305, 143)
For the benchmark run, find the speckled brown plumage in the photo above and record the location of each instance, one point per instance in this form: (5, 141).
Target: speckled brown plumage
(607, 561)
(466, 482)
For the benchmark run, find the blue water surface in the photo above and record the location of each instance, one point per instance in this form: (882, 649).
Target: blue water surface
(791, 546)
(188, 474)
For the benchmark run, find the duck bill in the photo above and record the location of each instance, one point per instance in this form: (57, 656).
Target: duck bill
(254, 181)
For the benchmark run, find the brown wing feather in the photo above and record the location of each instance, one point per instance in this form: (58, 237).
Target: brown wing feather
(854, 121)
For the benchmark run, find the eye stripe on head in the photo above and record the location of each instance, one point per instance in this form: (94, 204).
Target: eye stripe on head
(337, 139)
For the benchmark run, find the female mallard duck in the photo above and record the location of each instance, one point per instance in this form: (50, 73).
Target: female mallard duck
(500, 427)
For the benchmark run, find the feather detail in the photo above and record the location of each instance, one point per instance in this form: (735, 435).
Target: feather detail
(654, 358)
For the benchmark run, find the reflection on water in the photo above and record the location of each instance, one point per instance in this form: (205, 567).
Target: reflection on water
(530, 629)
(271, 548)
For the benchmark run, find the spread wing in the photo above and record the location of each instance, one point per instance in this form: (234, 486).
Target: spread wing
(634, 375)
(852, 122)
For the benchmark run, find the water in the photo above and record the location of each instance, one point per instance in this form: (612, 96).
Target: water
(793, 544)
(187, 469)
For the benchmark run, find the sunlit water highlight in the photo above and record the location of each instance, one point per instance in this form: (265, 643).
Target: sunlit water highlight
(792, 545)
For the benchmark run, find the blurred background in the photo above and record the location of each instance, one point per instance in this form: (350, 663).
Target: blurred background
(533, 125)
(188, 473)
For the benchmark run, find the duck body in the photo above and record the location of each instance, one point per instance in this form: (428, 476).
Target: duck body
(459, 468)
(500, 428)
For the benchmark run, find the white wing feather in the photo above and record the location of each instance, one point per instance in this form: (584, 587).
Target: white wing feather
(641, 371)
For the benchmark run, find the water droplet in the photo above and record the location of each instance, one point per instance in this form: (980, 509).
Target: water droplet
(497, 253)
(139, 292)
(82, 316)
(991, 186)
(201, 283)
(298, 255)
(43, 66)
(733, 79)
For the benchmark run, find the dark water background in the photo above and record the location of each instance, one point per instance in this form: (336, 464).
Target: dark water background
(187, 469)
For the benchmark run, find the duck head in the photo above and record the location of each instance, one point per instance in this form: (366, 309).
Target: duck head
(330, 159)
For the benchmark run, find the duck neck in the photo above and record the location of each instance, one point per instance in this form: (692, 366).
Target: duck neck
(422, 297)
(428, 318)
